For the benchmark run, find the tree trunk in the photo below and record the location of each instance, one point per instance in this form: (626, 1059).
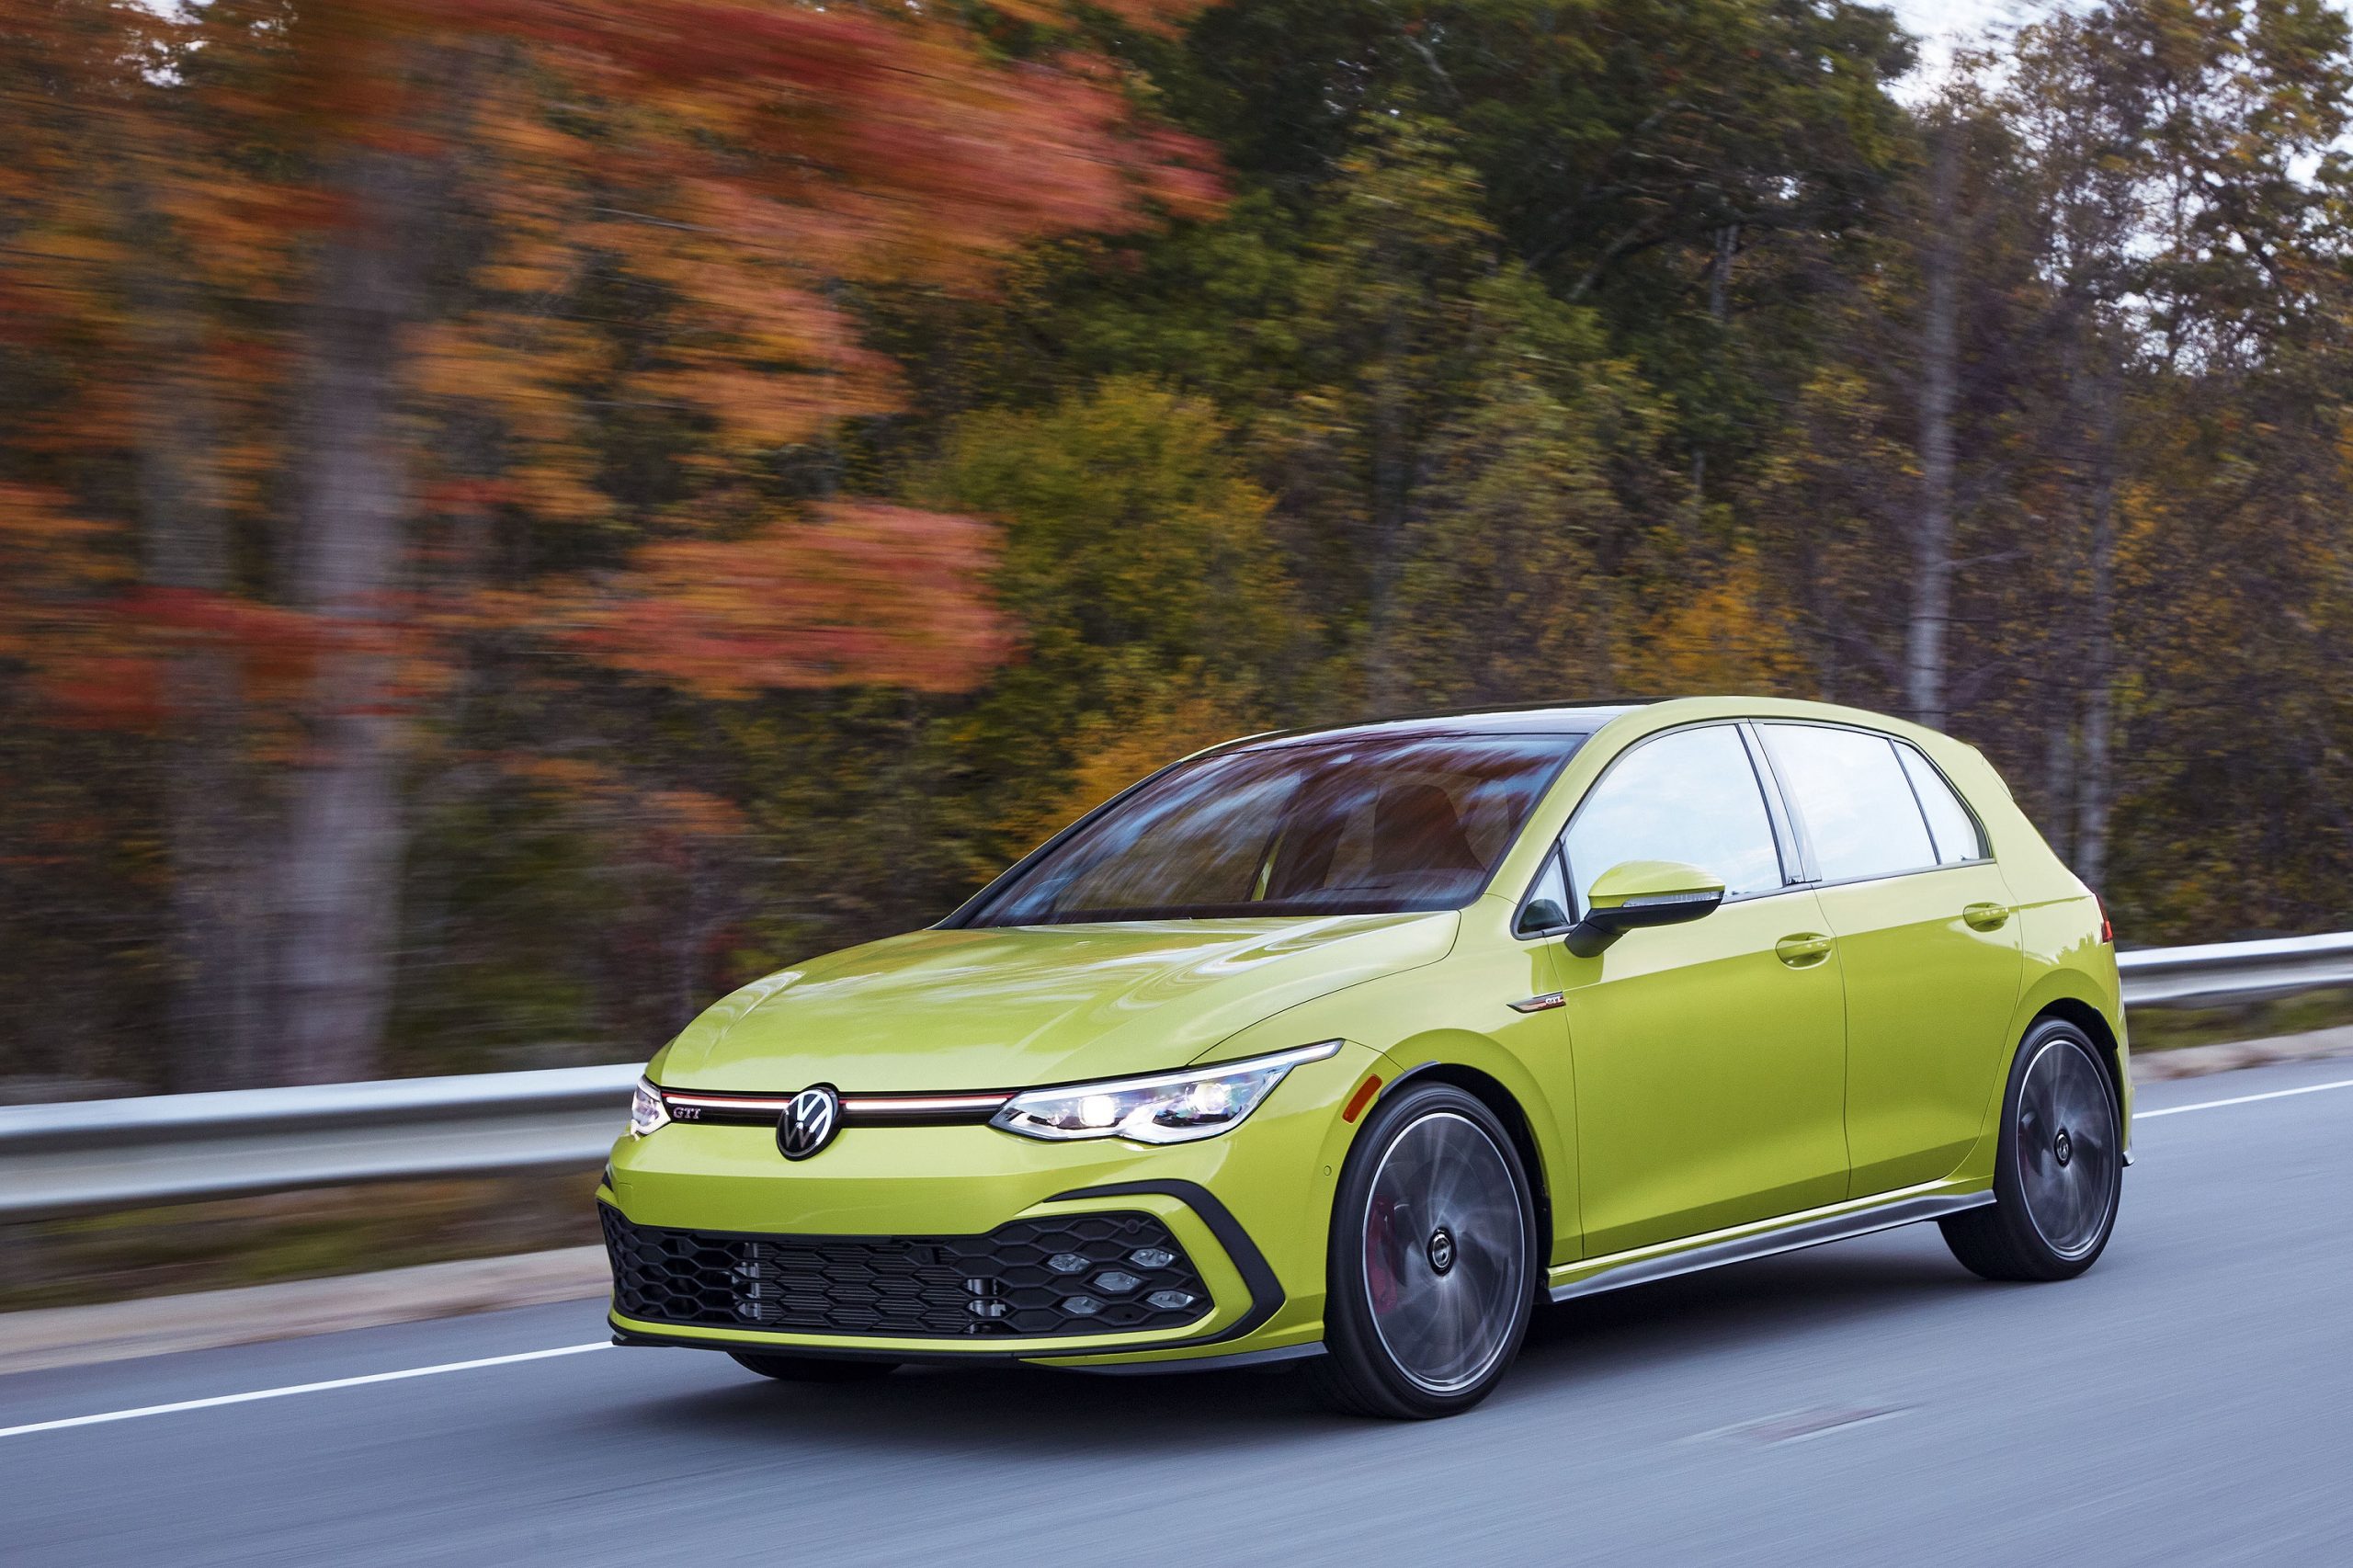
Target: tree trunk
(2059, 775)
(1925, 641)
(2093, 789)
(337, 906)
(216, 1035)
(1390, 483)
(1719, 312)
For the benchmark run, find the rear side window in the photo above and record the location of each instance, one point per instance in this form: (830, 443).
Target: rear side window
(1861, 817)
(1949, 823)
(1689, 795)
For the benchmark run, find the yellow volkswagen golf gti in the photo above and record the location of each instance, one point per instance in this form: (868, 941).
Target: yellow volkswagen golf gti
(1351, 1045)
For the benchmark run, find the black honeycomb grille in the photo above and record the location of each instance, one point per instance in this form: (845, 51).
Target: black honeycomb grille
(1017, 1281)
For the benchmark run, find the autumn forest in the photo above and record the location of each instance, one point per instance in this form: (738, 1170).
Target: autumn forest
(515, 518)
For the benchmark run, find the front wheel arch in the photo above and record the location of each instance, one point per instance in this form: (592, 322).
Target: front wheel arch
(1491, 1093)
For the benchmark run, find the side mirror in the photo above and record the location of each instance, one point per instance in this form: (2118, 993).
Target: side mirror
(1541, 915)
(1642, 892)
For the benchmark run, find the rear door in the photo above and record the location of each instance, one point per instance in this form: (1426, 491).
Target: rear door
(1710, 1056)
(1928, 942)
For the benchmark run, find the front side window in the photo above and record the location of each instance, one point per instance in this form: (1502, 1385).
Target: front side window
(1689, 795)
(1861, 814)
(1547, 908)
(1364, 825)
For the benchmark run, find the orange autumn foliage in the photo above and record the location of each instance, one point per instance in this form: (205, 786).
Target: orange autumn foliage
(866, 593)
(739, 160)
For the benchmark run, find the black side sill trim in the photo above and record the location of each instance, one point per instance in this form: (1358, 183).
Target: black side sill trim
(1258, 1276)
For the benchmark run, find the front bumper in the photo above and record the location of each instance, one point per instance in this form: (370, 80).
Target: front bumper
(1247, 1211)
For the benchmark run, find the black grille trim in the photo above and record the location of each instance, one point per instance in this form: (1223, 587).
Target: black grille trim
(947, 1109)
(968, 1289)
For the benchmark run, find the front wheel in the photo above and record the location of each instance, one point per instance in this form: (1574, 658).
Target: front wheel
(1431, 1270)
(2059, 1172)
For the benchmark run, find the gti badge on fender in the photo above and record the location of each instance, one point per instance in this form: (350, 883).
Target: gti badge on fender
(809, 1123)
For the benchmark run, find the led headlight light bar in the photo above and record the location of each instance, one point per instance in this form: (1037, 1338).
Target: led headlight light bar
(1168, 1108)
(647, 1113)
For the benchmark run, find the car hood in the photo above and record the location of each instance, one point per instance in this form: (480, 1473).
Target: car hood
(1007, 1008)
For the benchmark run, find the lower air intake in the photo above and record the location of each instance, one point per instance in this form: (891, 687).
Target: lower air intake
(1033, 1279)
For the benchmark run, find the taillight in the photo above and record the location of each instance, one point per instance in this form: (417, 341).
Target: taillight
(2107, 926)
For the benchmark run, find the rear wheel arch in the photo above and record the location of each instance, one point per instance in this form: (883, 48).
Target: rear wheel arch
(2088, 1019)
(2013, 1237)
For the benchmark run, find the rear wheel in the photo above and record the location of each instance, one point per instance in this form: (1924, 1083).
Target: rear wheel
(2059, 1172)
(812, 1368)
(1432, 1262)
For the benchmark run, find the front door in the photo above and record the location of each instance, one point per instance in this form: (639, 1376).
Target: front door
(1710, 1056)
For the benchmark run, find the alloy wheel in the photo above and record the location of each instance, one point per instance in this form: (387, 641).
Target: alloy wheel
(1445, 1255)
(2066, 1147)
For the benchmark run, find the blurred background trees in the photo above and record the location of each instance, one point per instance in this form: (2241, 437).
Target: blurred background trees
(512, 518)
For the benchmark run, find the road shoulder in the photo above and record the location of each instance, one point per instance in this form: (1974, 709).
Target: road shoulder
(67, 1336)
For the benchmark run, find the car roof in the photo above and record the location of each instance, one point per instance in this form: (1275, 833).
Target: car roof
(1543, 720)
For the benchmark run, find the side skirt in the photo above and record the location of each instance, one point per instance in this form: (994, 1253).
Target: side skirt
(1642, 1267)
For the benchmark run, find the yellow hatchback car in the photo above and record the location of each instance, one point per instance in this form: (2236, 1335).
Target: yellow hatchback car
(1353, 1045)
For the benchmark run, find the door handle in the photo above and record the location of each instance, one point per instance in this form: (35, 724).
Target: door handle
(1985, 916)
(1803, 950)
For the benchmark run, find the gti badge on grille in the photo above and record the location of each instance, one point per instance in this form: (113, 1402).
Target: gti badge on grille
(809, 1123)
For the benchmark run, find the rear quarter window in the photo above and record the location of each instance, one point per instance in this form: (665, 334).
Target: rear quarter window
(1954, 831)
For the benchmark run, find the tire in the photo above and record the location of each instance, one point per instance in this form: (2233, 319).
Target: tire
(2059, 1173)
(814, 1369)
(1432, 1268)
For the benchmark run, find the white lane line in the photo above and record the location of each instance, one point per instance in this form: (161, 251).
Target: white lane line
(1801, 1425)
(2235, 1100)
(299, 1388)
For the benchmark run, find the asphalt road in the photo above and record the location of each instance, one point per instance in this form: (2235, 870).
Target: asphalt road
(2188, 1401)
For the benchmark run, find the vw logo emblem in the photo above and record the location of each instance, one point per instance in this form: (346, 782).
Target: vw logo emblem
(809, 1123)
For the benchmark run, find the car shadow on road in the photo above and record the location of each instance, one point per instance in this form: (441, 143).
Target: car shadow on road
(1042, 1412)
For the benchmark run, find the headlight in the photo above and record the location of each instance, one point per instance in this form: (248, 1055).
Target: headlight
(1170, 1107)
(647, 1114)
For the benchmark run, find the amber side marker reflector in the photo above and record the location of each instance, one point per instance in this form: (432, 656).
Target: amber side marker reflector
(1361, 1098)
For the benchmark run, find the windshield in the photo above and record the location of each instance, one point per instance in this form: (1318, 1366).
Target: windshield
(1364, 825)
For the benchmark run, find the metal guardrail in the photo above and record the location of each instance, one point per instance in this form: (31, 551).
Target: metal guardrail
(100, 1154)
(2235, 972)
